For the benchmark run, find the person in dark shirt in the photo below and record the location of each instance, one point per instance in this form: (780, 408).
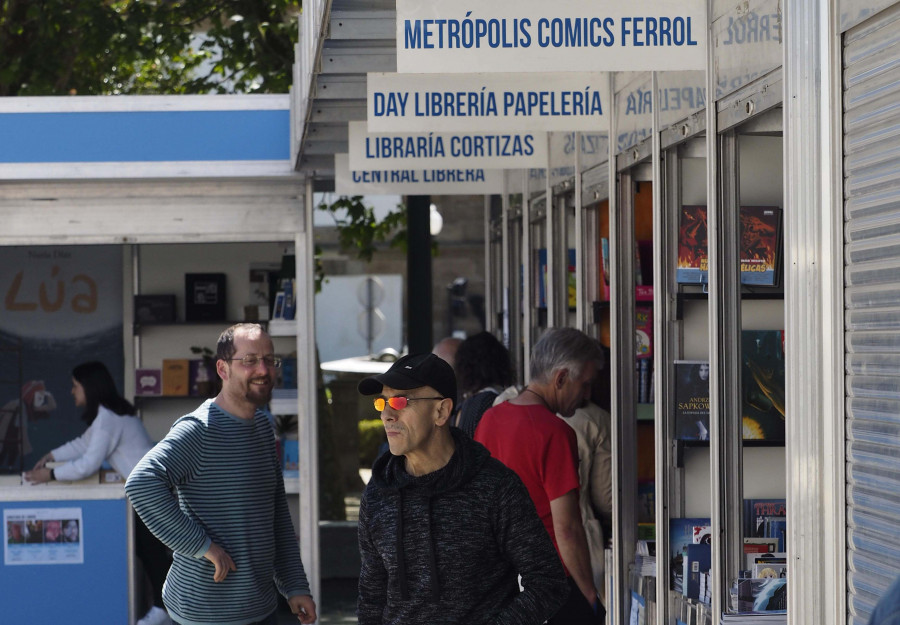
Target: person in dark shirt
(483, 369)
(444, 529)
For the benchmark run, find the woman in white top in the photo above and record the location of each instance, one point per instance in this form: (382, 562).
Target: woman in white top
(115, 434)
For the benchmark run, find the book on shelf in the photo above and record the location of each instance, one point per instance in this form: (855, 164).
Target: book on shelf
(643, 329)
(200, 378)
(691, 400)
(681, 534)
(762, 385)
(175, 376)
(645, 558)
(542, 278)
(290, 459)
(646, 531)
(646, 510)
(759, 544)
(692, 266)
(696, 565)
(760, 245)
(764, 570)
(762, 595)
(604, 268)
(777, 618)
(756, 510)
(148, 381)
(776, 527)
(288, 285)
(571, 284)
(752, 560)
(638, 614)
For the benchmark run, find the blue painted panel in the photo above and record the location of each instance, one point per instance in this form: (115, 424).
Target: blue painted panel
(94, 137)
(75, 594)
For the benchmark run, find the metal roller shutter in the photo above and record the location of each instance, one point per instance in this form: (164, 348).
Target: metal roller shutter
(871, 74)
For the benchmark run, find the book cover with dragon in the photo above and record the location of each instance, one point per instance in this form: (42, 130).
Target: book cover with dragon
(692, 266)
(760, 244)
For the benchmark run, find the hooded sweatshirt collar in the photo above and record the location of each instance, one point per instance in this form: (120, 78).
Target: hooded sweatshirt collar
(389, 473)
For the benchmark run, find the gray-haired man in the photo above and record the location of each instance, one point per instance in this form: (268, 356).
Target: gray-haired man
(525, 435)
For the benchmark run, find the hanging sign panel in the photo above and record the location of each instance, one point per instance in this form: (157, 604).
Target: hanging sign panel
(410, 150)
(434, 181)
(540, 36)
(486, 102)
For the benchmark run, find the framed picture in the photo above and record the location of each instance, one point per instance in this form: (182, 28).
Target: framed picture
(204, 297)
(278, 312)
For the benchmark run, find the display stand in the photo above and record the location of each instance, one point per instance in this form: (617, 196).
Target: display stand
(80, 583)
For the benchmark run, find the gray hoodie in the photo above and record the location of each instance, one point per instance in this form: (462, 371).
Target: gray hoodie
(447, 547)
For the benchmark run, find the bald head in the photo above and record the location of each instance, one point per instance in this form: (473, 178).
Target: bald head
(446, 349)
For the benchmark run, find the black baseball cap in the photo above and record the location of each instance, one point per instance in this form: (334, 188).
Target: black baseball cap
(414, 371)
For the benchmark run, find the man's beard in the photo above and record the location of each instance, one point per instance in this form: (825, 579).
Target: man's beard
(258, 395)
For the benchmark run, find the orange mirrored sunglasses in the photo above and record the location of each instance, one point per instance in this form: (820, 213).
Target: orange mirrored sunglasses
(397, 403)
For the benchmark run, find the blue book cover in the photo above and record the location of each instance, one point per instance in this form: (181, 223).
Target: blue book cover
(776, 527)
(290, 450)
(697, 562)
(290, 302)
(682, 533)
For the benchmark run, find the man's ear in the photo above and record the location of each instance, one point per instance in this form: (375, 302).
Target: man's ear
(560, 377)
(222, 369)
(445, 408)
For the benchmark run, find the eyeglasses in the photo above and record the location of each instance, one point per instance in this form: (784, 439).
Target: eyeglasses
(397, 403)
(251, 361)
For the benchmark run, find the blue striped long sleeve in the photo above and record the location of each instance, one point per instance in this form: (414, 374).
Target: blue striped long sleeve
(215, 477)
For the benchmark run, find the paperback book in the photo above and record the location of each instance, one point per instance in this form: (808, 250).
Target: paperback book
(542, 278)
(696, 565)
(760, 228)
(692, 266)
(762, 595)
(682, 532)
(691, 400)
(762, 385)
(756, 511)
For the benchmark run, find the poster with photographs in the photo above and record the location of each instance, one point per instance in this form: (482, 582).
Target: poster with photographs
(42, 536)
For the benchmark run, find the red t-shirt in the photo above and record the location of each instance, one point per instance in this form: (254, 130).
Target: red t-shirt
(540, 447)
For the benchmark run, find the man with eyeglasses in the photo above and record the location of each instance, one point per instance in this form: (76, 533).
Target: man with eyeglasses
(444, 529)
(212, 490)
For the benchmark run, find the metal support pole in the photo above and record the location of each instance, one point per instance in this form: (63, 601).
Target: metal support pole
(418, 272)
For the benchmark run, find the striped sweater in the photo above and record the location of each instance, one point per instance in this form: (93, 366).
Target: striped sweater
(215, 477)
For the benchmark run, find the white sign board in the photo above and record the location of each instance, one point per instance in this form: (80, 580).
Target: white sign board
(372, 315)
(560, 36)
(468, 181)
(487, 102)
(485, 150)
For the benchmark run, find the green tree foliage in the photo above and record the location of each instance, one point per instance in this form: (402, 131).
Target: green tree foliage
(359, 230)
(97, 47)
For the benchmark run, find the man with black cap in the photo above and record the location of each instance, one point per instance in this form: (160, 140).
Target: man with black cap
(444, 529)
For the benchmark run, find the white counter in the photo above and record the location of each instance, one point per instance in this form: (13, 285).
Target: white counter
(62, 492)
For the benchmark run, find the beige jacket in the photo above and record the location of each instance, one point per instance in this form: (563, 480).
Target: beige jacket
(592, 428)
